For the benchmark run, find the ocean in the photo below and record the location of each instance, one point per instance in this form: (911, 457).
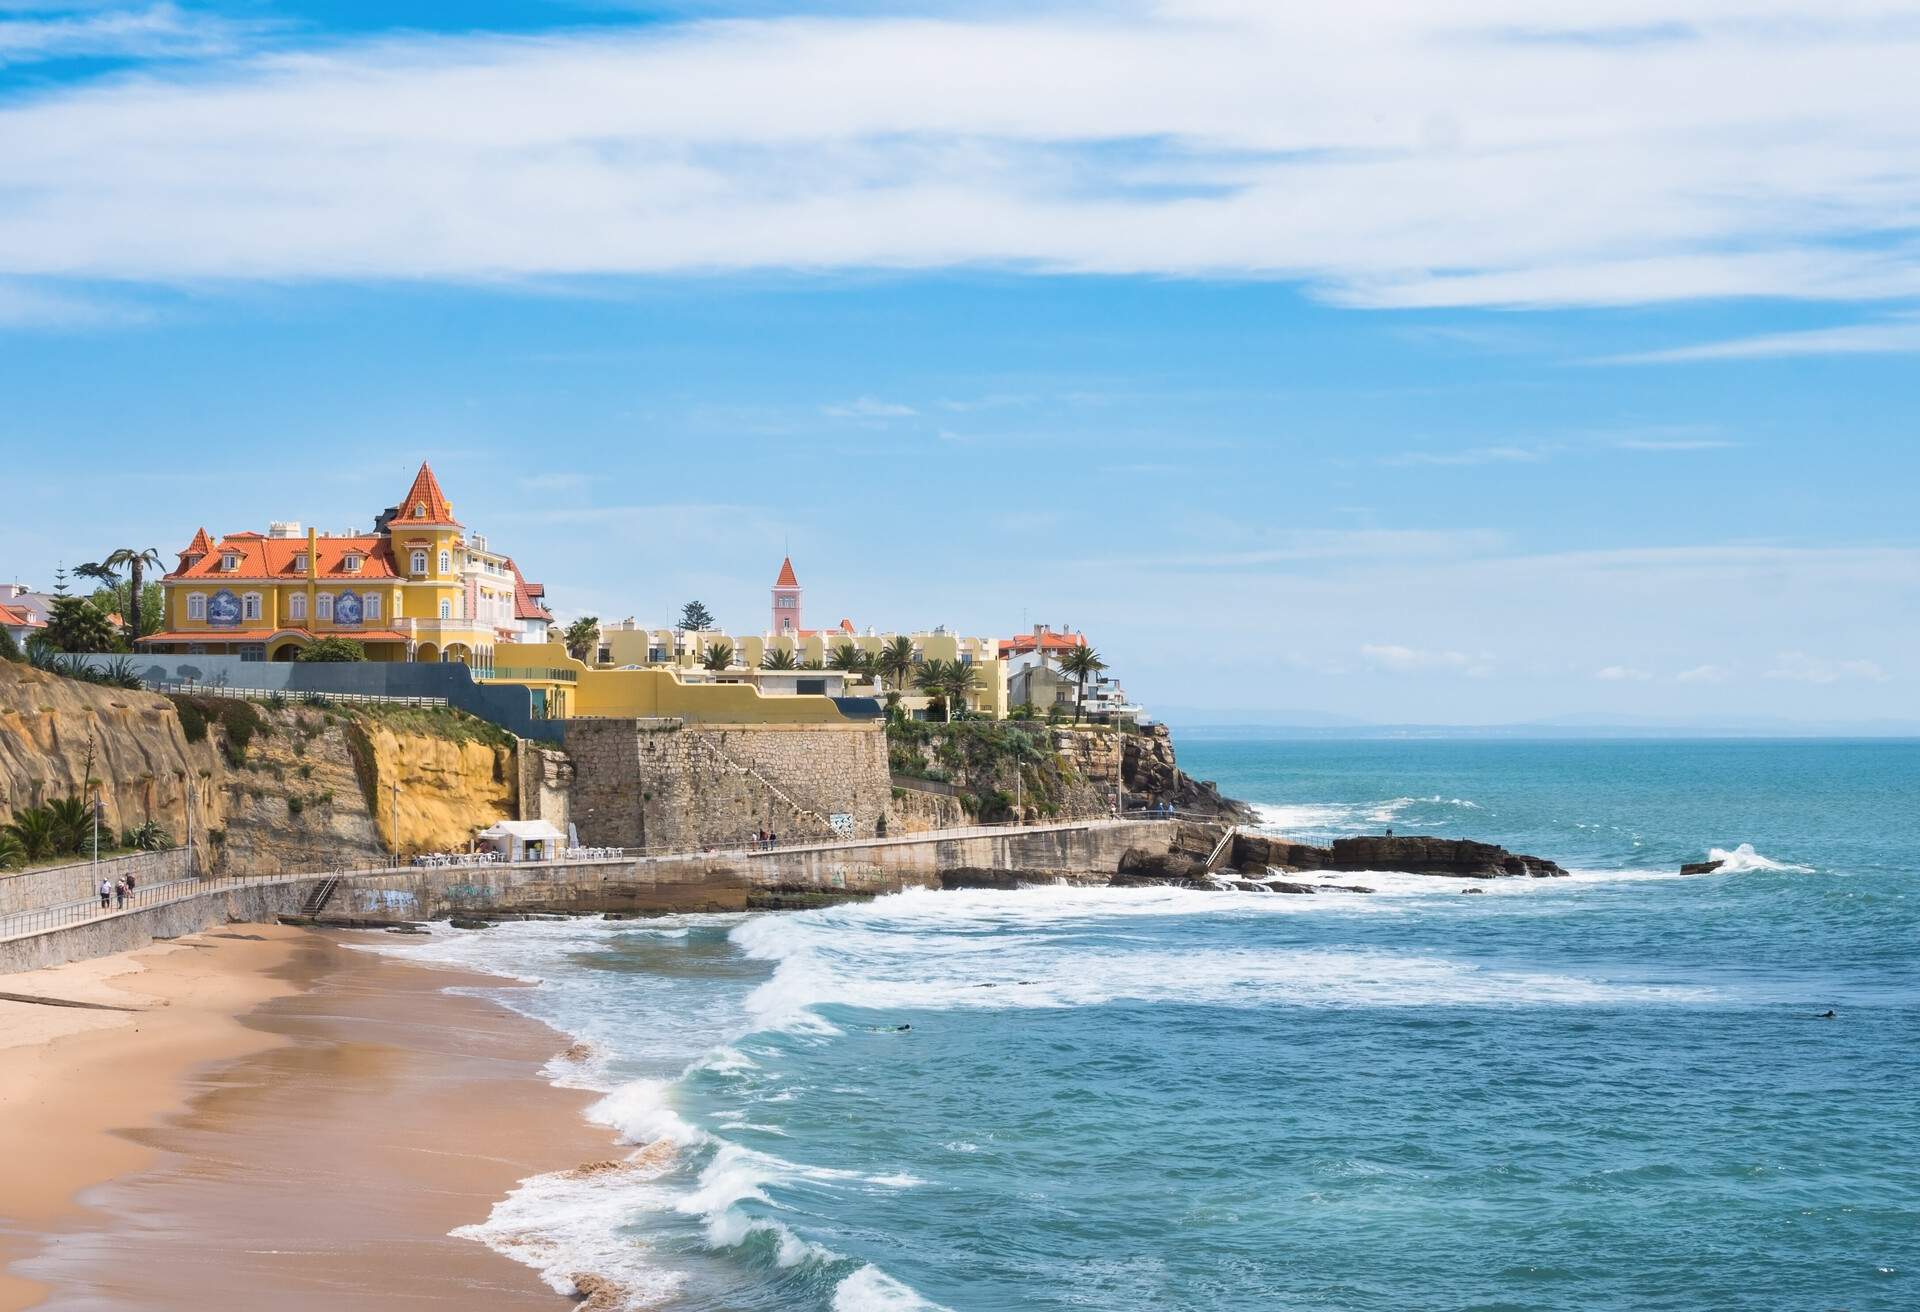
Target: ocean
(1606, 1091)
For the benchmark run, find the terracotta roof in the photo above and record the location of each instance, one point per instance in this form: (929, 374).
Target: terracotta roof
(526, 597)
(845, 629)
(273, 559)
(1048, 640)
(200, 545)
(17, 617)
(425, 498)
(787, 577)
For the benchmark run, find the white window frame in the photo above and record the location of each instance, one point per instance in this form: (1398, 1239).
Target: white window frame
(196, 605)
(446, 610)
(370, 606)
(296, 607)
(419, 561)
(351, 564)
(323, 606)
(250, 606)
(446, 562)
(229, 562)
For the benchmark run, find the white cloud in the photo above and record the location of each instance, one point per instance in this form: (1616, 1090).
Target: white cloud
(1704, 674)
(1622, 674)
(160, 31)
(1896, 336)
(1799, 667)
(1389, 152)
(1481, 455)
(1395, 659)
(868, 407)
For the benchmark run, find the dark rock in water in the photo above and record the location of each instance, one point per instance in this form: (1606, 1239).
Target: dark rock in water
(469, 922)
(1345, 888)
(1138, 865)
(1411, 854)
(1701, 867)
(1282, 886)
(1473, 890)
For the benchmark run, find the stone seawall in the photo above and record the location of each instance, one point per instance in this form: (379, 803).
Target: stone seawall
(564, 888)
(77, 882)
(136, 929)
(665, 784)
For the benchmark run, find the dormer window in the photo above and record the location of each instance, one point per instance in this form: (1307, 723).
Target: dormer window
(300, 562)
(229, 562)
(351, 564)
(419, 510)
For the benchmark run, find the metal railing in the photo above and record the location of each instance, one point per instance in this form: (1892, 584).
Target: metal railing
(291, 697)
(22, 924)
(533, 674)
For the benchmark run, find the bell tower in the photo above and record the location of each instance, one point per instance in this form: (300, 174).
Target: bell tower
(786, 601)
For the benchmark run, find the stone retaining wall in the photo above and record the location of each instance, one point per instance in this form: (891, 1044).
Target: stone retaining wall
(78, 881)
(136, 929)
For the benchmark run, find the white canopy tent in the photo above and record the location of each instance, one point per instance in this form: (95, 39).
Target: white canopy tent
(523, 840)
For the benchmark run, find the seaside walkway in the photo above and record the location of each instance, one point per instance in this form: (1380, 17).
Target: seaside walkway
(95, 930)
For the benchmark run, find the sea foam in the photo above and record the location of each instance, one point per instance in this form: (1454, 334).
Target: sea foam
(1744, 860)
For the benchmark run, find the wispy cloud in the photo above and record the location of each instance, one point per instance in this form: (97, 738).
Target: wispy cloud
(1395, 155)
(1622, 674)
(160, 31)
(869, 408)
(1480, 455)
(1799, 667)
(1896, 336)
(1704, 674)
(1392, 658)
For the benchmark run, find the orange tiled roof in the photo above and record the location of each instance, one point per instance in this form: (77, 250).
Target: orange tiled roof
(845, 628)
(1048, 640)
(274, 559)
(787, 577)
(200, 545)
(15, 617)
(526, 597)
(432, 503)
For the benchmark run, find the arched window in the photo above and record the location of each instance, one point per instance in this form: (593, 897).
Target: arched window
(297, 606)
(446, 562)
(419, 510)
(446, 610)
(370, 605)
(419, 562)
(323, 606)
(250, 606)
(196, 605)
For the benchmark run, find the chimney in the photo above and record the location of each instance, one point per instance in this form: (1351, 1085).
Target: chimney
(313, 553)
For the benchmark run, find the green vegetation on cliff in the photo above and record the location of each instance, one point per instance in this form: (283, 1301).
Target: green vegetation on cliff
(995, 767)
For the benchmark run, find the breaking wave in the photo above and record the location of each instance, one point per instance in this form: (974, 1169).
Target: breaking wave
(1744, 860)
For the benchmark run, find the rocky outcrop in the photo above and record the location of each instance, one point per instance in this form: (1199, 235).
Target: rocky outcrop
(1152, 775)
(1411, 854)
(1701, 867)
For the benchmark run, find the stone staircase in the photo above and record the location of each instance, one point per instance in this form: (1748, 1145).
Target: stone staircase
(739, 768)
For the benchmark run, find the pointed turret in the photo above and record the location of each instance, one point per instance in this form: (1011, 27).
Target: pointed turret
(786, 599)
(787, 577)
(425, 503)
(198, 549)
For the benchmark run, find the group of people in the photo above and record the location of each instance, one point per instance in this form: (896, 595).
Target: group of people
(766, 838)
(114, 892)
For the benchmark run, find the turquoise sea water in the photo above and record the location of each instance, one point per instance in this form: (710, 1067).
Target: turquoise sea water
(1607, 1091)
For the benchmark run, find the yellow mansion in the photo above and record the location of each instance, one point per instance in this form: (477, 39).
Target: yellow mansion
(419, 587)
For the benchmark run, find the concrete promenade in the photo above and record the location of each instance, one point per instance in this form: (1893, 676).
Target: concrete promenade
(712, 880)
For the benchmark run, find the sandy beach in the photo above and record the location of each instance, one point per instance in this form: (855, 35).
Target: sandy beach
(257, 1109)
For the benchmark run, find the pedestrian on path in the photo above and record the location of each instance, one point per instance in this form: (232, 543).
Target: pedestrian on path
(106, 895)
(120, 894)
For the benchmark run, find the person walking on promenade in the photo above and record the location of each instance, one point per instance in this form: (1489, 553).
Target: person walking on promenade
(120, 894)
(106, 895)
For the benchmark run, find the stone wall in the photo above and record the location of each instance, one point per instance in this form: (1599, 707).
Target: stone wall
(664, 784)
(546, 784)
(562, 888)
(136, 929)
(77, 881)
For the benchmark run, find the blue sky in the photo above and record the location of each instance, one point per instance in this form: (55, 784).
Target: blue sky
(1445, 371)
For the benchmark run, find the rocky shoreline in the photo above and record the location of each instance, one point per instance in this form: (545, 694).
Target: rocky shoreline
(1253, 862)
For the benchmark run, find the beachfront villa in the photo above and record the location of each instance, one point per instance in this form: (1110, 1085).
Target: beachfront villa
(417, 587)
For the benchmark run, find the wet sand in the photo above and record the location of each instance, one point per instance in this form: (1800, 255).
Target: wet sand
(291, 1124)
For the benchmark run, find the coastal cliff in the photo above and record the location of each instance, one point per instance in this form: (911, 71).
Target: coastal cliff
(269, 787)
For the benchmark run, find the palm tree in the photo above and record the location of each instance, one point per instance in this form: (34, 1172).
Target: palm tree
(932, 678)
(1081, 662)
(71, 821)
(845, 657)
(33, 831)
(779, 658)
(895, 661)
(11, 853)
(717, 656)
(962, 682)
(134, 560)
